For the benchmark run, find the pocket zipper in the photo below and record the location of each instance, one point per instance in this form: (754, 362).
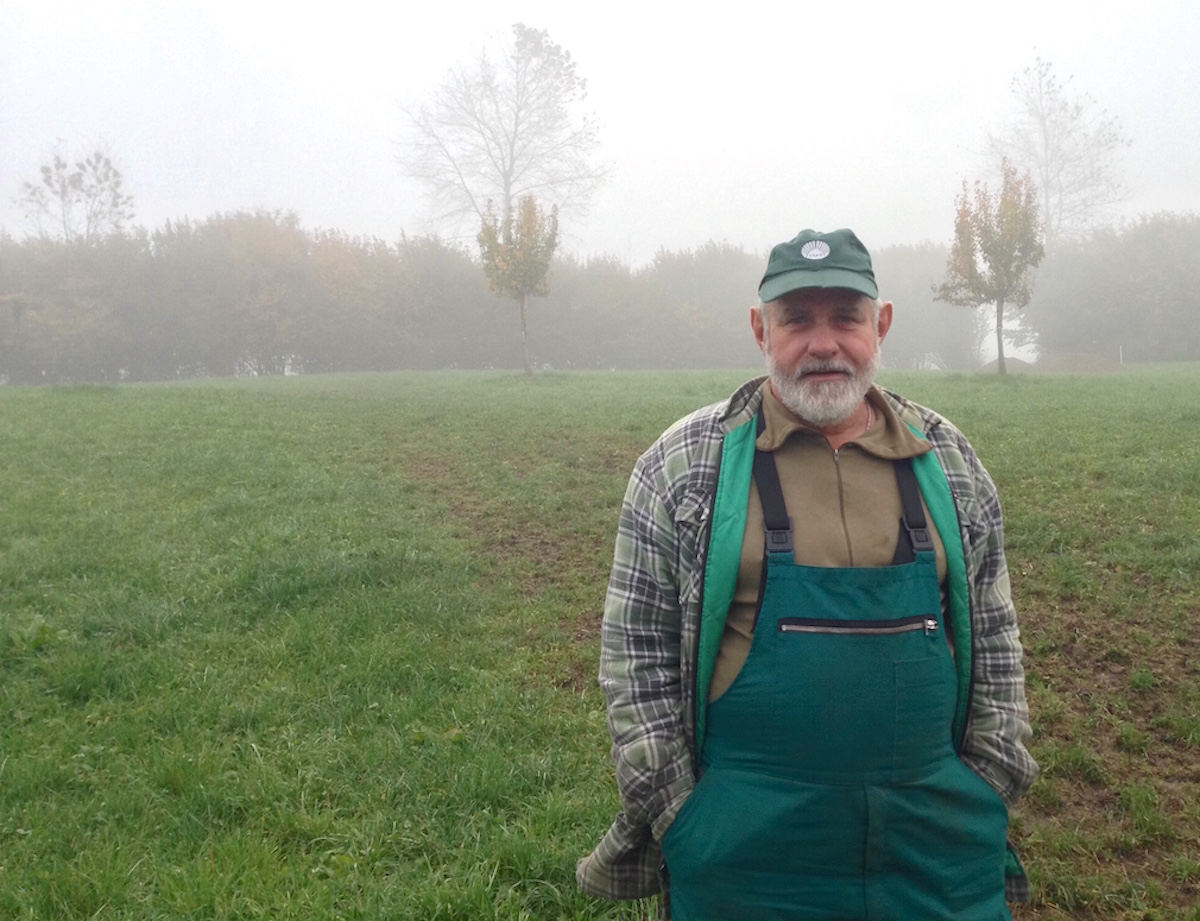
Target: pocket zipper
(859, 627)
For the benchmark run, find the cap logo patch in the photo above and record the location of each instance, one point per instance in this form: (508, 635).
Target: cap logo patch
(815, 249)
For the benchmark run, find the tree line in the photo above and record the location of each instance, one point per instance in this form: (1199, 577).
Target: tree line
(255, 293)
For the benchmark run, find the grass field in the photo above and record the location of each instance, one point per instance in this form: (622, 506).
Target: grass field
(326, 647)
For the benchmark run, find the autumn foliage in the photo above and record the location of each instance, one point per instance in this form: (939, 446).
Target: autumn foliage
(516, 254)
(997, 244)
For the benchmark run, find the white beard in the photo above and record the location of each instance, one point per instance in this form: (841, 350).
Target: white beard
(822, 403)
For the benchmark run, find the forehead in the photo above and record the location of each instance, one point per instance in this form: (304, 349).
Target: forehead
(817, 299)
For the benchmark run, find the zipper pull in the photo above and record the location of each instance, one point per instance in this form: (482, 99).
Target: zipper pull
(931, 625)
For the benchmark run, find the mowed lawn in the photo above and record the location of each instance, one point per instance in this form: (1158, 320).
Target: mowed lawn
(326, 647)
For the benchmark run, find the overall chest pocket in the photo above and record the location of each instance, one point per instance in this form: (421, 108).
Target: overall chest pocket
(861, 700)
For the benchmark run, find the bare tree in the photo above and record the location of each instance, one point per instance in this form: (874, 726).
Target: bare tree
(997, 244)
(504, 126)
(81, 202)
(1068, 144)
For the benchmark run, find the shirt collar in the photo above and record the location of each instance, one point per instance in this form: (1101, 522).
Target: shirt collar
(889, 438)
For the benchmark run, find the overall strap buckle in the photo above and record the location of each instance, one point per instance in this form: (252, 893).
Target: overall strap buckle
(780, 541)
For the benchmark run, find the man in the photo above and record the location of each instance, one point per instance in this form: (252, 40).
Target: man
(810, 652)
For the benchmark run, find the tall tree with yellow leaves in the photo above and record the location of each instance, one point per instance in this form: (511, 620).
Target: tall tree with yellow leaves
(516, 252)
(997, 244)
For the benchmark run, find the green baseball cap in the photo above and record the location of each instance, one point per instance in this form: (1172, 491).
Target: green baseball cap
(836, 259)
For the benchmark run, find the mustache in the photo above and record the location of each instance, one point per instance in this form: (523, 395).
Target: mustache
(823, 367)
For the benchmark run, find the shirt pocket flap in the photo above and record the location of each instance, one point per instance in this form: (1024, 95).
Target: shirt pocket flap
(691, 527)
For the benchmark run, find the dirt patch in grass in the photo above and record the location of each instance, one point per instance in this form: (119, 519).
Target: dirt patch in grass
(559, 555)
(540, 554)
(1120, 785)
(516, 536)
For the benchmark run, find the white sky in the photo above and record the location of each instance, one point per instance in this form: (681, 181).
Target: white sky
(743, 124)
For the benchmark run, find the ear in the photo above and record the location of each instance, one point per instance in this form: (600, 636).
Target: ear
(885, 319)
(759, 327)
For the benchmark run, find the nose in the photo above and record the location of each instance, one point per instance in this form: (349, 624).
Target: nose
(822, 342)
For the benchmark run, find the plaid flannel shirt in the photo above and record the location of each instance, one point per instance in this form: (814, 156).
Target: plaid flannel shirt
(652, 622)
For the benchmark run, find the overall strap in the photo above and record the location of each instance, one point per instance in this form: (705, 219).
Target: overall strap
(913, 524)
(776, 522)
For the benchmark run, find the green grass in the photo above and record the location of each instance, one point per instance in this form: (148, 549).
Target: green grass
(326, 648)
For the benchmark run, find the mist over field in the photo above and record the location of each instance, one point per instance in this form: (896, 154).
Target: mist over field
(262, 201)
(741, 128)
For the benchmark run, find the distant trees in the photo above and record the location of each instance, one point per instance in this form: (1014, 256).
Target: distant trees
(505, 125)
(66, 316)
(1122, 293)
(77, 202)
(703, 295)
(997, 244)
(1068, 144)
(927, 333)
(685, 309)
(247, 293)
(255, 293)
(516, 255)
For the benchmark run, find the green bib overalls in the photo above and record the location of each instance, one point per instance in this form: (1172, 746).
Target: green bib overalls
(830, 786)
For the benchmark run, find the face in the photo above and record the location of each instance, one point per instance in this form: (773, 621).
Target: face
(822, 350)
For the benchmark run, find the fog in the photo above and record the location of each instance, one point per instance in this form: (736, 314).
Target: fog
(740, 127)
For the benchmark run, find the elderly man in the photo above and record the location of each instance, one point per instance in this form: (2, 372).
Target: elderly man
(810, 652)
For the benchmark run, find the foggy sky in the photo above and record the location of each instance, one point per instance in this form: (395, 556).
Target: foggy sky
(742, 127)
